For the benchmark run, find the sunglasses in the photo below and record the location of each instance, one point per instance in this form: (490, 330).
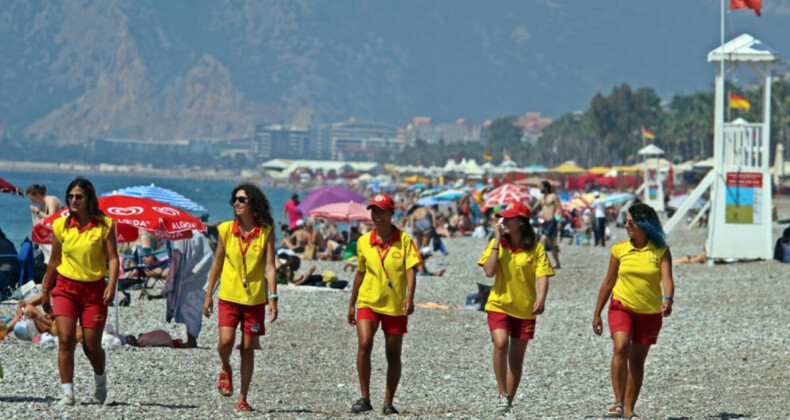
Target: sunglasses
(630, 222)
(242, 200)
(77, 197)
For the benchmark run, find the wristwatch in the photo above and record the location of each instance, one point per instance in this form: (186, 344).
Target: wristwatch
(669, 298)
(274, 297)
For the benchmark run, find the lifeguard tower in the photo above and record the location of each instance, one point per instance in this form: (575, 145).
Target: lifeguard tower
(652, 187)
(739, 225)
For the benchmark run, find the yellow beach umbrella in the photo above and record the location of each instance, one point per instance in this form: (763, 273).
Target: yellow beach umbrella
(599, 170)
(631, 169)
(568, 168)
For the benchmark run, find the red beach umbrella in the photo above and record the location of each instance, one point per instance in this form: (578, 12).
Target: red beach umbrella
(130, 214)
(10, 188)
(506, 194)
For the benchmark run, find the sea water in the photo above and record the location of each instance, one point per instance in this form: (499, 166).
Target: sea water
(16, 220)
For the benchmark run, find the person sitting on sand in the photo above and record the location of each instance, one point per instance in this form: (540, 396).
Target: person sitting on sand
(287, 268)
(298, 239)
(782, 248)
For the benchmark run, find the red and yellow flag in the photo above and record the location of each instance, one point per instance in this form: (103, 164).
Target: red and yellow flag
(755, 5)
(648, 133)
(739, 102)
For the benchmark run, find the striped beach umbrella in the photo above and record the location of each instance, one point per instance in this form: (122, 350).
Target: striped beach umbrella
(160, 194)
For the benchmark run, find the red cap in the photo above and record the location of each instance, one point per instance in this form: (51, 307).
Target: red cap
(382, 201)
(516, 209)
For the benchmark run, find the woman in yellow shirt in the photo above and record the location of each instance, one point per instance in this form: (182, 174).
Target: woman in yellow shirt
(517, 261)
(83, 246)
(245, 258)
(383, 292)
(638, 268)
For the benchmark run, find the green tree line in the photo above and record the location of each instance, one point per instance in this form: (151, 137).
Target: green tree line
(609, 131)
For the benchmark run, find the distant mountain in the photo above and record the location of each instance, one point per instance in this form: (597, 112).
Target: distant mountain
(82, 69)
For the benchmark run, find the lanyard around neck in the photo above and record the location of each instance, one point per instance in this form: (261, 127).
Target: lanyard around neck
(243, 249)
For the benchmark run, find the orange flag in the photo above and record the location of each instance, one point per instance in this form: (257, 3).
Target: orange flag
(739, 102)
(648, 133)
(755, 5)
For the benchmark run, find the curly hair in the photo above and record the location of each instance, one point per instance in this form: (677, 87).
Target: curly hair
(261, 209)
(647, 219)
(90, 199)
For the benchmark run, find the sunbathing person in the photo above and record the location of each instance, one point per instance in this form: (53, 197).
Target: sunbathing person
(700, 258)
(29, 309)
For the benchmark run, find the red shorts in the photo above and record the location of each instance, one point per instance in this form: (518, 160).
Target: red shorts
(81, 300)
(522, 329)
(390, 324)
(643, 328)
(250, 317)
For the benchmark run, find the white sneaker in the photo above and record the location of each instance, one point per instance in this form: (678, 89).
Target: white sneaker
(67, 399)
(503, 406)
(100, 394)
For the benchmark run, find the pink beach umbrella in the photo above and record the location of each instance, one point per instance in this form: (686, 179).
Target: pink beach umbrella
(506, 194)
(343, 212)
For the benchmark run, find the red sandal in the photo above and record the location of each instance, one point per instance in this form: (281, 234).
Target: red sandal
(244, 406)
(225, 384)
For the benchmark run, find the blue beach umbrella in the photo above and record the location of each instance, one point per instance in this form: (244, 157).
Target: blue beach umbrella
(160, 194)
(450, 195)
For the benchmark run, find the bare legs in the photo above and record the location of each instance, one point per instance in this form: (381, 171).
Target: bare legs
(366, 330)
(551, 241)
(628, 370)
(67, 342)
(508, 361)
(227, 338)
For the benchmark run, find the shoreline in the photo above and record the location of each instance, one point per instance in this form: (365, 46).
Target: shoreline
(136, 171)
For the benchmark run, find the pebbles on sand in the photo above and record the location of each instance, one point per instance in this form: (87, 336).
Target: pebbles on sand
(723, 354)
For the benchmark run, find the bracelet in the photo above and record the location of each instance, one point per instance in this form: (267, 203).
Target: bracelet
(273, 296)
(44, 290)
(669, 298)
(495, 248)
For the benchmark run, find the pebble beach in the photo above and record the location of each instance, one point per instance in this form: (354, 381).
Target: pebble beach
(723, 354)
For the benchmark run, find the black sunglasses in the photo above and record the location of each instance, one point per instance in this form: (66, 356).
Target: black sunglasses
(75, 197)
(242, 200)
(630, 222)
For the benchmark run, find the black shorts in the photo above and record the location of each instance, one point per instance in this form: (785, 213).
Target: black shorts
(549, 228)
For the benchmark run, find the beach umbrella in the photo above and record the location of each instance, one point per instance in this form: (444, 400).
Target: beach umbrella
(417, 186)
(599, 170)
(160, 194)
(7, 187)
(678, 201)
(343, 212)
(506, 194)
(568, 168)
(132, 213)
(427, 201)
(449, 195)
(328, 195)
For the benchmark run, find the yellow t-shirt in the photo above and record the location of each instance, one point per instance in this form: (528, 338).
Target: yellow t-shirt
(231, 286)
(384, 292)
(638, 284)
(83, 256)
(514, 292)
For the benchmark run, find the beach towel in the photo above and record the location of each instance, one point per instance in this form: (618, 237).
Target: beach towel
(190, 264)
